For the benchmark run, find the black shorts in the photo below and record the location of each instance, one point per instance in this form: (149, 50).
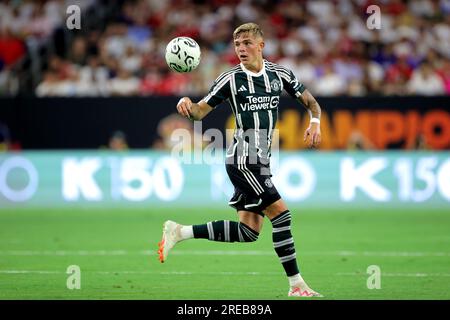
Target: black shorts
(253, 187)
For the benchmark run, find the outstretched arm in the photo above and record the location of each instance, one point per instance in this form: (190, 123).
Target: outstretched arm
(312, 135)
(193, 111)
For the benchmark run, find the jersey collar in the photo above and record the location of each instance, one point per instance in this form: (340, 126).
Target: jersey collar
(253, 74)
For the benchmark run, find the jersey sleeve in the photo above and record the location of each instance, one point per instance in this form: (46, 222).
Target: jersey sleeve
(291, 83)
(220, 91)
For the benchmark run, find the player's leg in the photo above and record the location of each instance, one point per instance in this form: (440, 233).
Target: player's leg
(262, 196)
(245, 200)
(246, 230)
(253, 220)
(283, 242)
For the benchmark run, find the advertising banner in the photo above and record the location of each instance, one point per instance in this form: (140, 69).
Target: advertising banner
(385, 123)
(150, 179)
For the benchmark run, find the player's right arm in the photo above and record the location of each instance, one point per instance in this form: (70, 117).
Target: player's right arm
(193, 111)
(219, 92)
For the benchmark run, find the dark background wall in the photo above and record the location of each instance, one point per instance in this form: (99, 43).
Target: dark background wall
(86, 123)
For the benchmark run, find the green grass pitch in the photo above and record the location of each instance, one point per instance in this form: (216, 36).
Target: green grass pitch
(116, 252)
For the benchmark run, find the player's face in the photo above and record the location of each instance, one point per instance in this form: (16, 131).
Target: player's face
(248, 48)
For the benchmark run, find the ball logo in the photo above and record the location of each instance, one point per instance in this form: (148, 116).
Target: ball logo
(175, 49)
(176, 67)
(189, 61)
(189, 42)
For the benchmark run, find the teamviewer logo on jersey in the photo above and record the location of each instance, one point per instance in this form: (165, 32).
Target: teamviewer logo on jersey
(242, 88)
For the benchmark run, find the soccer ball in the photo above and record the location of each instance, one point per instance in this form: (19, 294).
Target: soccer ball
(183, 54)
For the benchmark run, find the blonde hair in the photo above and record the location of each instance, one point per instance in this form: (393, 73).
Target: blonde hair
(250, 27)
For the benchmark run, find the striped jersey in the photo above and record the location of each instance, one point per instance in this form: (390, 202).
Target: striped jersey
(254, 99)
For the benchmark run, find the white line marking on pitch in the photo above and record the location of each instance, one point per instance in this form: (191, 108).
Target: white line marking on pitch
(218, 252)
(418, 274)
(230, 273)
(29, 271)
(64, 253)
(142, 272)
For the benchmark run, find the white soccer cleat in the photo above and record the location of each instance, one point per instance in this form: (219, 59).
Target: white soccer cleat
(303, 290)
(170, 237)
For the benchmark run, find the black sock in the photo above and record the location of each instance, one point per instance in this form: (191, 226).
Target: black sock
(225, 231)
(283, 242)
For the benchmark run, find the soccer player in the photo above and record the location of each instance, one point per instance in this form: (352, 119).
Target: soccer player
(253, 90)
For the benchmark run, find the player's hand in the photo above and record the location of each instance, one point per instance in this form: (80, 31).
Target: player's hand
(184, 107)
(312, 135)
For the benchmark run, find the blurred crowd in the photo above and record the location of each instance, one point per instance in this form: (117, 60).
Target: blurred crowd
(327, 45)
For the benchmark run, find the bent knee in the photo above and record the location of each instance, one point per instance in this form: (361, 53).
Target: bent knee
(275, 209)
(247, 234)
(253, 239)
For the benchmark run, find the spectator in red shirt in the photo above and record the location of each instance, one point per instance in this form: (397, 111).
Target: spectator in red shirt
(400, 69)
(12, 49)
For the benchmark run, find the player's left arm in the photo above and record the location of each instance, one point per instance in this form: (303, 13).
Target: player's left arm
(312, 135)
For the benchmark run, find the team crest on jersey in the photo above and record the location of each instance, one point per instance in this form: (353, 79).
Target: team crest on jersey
(275, 85)
(268, 183)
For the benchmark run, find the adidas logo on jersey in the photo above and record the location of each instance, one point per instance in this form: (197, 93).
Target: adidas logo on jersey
(242, 88)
